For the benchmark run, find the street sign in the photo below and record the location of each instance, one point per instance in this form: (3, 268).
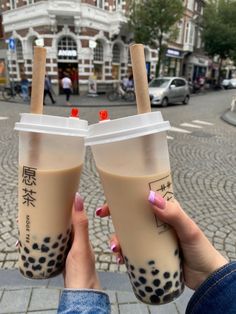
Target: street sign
(11, 44)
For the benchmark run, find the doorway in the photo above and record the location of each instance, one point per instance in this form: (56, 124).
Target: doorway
(72, 70)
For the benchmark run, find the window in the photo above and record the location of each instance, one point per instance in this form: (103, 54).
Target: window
(116, 54)
(67, 48)
(19, 51)
(190, 5)
(100, 4)
(186, 32)
(98, 60)
(13, 4)
(98, 52)
(30, 1)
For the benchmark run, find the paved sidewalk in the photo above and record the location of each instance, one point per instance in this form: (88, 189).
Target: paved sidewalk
(20, 295)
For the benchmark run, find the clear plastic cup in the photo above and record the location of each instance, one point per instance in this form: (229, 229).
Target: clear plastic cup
(51, 155)
(131, 156)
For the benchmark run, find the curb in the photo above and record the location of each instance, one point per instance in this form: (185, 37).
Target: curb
(229, 117)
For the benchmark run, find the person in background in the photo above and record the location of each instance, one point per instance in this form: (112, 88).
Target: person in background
(67, 87)
(24, 88)
(205, 270)
(48, 89)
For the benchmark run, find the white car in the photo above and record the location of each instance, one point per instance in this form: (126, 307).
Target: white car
(229, 83)
(165, 90)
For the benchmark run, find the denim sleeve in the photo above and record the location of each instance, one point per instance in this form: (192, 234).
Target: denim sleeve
(75, 301)
(217, 294)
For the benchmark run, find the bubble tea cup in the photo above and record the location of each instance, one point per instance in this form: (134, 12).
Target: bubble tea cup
(51, 155)
(131, 156)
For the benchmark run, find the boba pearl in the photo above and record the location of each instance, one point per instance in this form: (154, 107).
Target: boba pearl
(148, 289)
(51, 263)
(35, 246)
(44, 248)
(132, 274)
(26, 250)
(155, 299)
(168, 285)
(142, 270)
(31, 260)
(29, 273)
(59, 257)
(46, 240)
(55, 245)
(176, 252)
(62, 248)
(166, 275)
(142, 280)
(42, 260)
(168, 297)
(156, 282)
(175, 274)
(23, 257)
(64, 240)
(132, 267)
(136, 284)
(159, 292)
(51, 254)
(26, 264)
(50, 270)
(151, 262)
(177, 284)
(143, 294)
(59, 237)
(155, 272)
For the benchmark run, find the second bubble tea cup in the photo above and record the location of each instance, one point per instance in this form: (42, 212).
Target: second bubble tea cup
(51, 155)
(131, 155)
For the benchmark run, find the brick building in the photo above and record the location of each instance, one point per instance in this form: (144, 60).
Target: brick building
(89, 38)
(71, 29)
(3, 57)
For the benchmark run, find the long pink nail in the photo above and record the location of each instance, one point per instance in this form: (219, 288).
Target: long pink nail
(79, 204)
(118, 260)
(98, 211)
(157, 199)
(113, 248)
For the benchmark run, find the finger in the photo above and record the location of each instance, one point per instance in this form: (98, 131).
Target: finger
(115, 245)
(103, 211)
(80, 224)
(171, 213)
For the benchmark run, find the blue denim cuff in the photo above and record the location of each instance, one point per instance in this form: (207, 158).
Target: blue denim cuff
(216, 294)
(75, 301)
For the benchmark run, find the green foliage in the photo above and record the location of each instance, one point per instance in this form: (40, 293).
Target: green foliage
(219, 28)
(151, 20)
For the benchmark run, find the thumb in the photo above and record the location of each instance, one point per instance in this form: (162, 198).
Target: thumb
(171, 213)
(80, 224)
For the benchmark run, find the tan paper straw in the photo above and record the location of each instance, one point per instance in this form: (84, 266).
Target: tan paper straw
(38, 77)
(140, 78)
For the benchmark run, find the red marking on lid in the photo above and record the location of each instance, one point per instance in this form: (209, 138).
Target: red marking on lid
(104, 115)
(74, 113)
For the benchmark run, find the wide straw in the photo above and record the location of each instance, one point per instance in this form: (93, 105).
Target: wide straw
(36, 105)
(39, 64)
(140, 78)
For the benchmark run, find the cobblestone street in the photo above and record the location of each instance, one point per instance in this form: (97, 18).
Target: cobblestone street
(203, 161)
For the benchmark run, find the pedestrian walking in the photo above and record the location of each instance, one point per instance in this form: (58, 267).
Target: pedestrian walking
(67, 87)
(24, 88)
(48, 89)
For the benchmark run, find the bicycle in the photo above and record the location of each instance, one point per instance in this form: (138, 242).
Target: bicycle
(12, 91)
(127, 95)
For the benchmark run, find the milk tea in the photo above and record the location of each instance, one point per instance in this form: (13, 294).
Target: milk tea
(45, 204)
(149, 246)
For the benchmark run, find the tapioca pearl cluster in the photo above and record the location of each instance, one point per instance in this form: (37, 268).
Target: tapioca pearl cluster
(162, 288)
(53, 253)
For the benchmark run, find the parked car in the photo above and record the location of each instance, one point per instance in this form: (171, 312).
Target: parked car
(229, 83)
(165, 90)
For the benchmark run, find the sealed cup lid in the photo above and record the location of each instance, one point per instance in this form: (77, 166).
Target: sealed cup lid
(39, 123)
(126, 128)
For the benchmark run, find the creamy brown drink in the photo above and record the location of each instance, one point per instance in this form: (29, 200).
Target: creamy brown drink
(45, 203)
(156, 278)
(51, 155)
(131, 155)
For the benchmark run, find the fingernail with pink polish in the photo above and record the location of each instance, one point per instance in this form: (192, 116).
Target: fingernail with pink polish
(113, 247)
(157, 199)
(79, 204)
(98, 211)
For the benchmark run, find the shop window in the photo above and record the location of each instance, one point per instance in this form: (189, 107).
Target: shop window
(116, 54)
(115, 72)
(67, 49)
(19, 51)
(98, 52)
(98, 71)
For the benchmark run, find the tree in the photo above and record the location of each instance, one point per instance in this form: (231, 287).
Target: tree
(154, 21)
(219, 30)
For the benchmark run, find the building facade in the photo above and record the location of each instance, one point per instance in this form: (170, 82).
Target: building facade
(89, 39)
(83, 39)
(3, 55)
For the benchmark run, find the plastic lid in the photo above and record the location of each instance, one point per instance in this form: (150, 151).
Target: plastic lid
(38, 123)
(126, 128)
